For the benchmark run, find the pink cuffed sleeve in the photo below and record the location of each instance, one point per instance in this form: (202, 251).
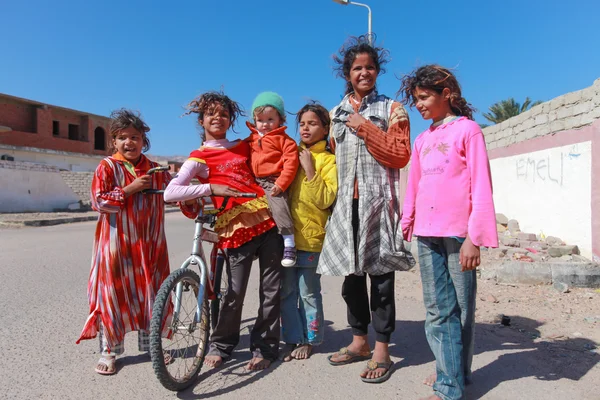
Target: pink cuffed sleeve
(482, 220)
(412, 187)
(179, 188)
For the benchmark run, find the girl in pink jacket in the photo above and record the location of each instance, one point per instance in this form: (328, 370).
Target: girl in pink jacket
(450, 209)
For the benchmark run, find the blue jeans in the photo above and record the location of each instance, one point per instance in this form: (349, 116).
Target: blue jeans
(301, 301)
(449, 297)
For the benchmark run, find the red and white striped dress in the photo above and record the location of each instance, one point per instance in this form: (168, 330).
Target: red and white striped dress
(130, 258)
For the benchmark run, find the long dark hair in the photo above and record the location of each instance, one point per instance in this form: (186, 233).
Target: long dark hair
(351, 49)
(206, 103)
(437, 78)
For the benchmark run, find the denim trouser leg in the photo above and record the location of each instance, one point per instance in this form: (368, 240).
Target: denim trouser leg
(442, 322)
(465, 285)
(301, 301)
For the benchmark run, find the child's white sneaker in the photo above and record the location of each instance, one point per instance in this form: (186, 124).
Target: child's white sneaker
(289, 257)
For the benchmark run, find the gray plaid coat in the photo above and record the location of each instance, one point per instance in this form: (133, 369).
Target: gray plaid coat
(381, 246)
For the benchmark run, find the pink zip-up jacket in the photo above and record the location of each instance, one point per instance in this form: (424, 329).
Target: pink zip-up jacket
(449, 191)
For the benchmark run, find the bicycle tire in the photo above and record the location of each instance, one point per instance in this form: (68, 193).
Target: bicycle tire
(192, 356)
(221, 285)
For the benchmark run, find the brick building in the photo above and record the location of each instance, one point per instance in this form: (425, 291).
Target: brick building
(36, 132)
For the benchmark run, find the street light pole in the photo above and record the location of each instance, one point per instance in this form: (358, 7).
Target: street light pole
(346, 2)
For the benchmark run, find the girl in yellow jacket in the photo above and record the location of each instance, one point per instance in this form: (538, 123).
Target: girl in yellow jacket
(311, 196)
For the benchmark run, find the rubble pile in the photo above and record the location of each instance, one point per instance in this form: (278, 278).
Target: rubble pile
(529, 247)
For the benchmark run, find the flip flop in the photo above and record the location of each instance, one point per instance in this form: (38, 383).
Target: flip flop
(109, 363)
(373, 365)
(353, 357)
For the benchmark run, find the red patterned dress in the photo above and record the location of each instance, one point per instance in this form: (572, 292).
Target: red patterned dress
(130, 258)
(244, 218)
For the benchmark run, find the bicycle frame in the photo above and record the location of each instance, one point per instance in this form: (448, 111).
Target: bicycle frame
(198, 258)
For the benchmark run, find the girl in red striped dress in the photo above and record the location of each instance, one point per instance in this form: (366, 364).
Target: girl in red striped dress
(130, 258)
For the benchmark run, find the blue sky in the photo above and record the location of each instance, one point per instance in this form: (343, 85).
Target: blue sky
(155, 57)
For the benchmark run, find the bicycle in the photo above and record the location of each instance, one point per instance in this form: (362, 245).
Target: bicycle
(181, 317)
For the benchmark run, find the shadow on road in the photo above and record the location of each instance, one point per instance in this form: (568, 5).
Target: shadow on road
(232, 375)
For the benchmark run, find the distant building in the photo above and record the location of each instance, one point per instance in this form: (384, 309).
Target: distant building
(32, 131)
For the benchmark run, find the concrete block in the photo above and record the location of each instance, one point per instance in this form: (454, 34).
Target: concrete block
(587, 119)
(509, 241)
(513, 227)
(557, 126)
(554, 241)
(573, 122)
(557, 251)
(573, 97)
(564, 113)
(582, 108)
(576, 274)
(505, 124)
(531, 273)
(557, 103)
(541, 119)
(531, 237)
(545, 107)
(501, 219)
(528, 123)
(537, 110)
(588, 93)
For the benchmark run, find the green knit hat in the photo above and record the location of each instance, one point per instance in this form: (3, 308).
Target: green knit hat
(269, 99)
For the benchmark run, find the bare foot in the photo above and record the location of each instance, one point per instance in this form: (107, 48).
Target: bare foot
(430, 380)
(287, 352)
(380, 355)
(302, 352)
(213, 361)
(358, 346)
(432, 397)
(257, 364)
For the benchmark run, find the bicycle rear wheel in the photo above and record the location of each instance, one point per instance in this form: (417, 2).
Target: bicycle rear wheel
(178, 340)
(221, 285)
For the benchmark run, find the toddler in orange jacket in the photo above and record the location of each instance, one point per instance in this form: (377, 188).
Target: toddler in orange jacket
(274, 161)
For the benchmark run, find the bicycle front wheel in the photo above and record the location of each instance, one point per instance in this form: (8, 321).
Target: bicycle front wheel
(178, 332)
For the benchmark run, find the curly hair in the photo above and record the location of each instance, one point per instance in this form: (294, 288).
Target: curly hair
(122, 119)
(351, 49)
(437, 78)
(206, 103)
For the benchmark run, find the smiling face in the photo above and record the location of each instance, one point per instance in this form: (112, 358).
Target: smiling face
(216, 122)
(129, 142)
(267, 120)
(311, 129)
(363, 74)
(432, 105)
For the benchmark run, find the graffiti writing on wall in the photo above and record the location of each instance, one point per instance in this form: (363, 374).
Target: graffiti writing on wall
(549, 168)
(535, 169)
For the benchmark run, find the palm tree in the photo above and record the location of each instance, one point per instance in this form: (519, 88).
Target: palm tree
(505, 109)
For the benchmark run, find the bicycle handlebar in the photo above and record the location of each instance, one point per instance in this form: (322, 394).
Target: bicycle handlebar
(226, 200)
(157, 169)
(153, 171)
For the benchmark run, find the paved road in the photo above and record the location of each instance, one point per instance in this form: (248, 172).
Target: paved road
(43, 277)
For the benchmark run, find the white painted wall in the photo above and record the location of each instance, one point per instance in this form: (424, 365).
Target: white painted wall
(26, 190)
(60, 159)
(548, 191)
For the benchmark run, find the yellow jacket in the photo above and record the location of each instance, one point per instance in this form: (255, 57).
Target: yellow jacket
(310, 201)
